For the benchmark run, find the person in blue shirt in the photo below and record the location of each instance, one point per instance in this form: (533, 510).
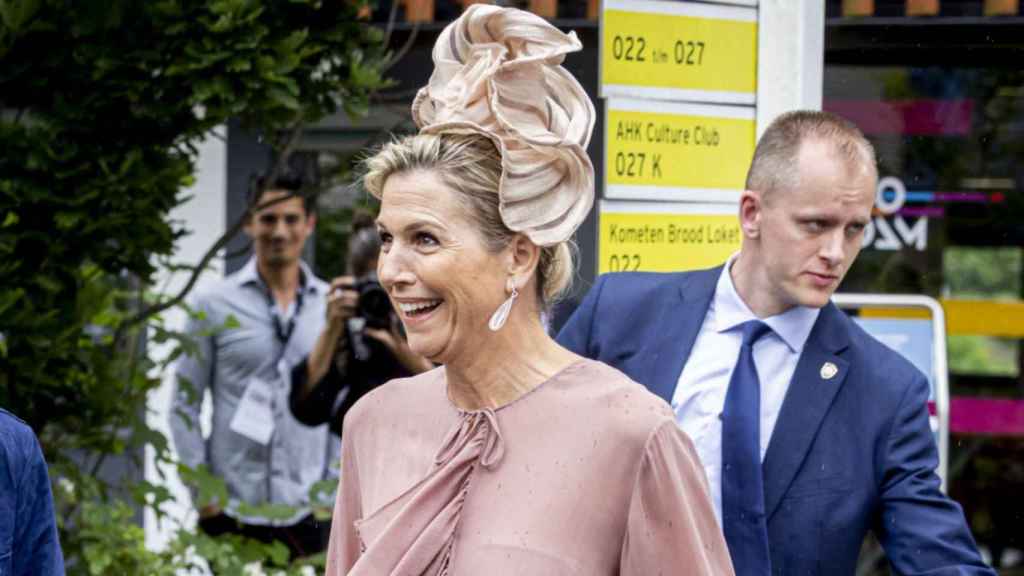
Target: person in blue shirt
(28, 528)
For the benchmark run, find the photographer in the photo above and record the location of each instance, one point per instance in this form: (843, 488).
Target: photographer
(361, 346)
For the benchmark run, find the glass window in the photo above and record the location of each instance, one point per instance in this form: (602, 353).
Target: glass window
(949, 223)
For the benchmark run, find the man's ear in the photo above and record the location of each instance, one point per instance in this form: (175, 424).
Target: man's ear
(311, 223)
(523, 256)
(751, 210)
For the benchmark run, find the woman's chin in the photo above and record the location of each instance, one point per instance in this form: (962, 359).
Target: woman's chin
(429, 350)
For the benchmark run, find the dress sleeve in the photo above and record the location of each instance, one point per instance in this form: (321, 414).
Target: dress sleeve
(671, 528)
(344, 547)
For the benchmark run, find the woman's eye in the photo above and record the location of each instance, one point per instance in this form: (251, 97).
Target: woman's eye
(425, 239)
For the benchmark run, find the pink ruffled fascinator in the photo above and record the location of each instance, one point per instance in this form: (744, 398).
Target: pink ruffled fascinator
(498, 73)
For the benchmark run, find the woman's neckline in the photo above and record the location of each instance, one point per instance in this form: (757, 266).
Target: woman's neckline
(570, 367)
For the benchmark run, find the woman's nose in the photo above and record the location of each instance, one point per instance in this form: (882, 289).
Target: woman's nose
(393, 268)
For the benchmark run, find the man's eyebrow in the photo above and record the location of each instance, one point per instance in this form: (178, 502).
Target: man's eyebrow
(817, 216)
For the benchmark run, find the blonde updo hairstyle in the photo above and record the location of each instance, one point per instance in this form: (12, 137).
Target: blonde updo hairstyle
(471, 165)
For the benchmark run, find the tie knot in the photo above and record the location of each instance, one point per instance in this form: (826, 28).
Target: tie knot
(753, 330)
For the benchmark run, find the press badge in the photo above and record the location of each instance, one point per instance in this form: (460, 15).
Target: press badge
(254, 417)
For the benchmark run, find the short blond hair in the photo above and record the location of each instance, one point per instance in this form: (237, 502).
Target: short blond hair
(470, 164)
(775, 158)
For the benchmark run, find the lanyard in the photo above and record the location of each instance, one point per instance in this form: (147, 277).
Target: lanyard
(284, 331)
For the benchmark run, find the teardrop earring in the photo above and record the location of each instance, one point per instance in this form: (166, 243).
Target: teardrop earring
(501, 314)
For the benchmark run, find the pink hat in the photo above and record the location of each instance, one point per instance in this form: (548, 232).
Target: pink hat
(498, 73)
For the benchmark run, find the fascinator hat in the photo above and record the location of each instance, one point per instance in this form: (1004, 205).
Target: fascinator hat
(498, 73)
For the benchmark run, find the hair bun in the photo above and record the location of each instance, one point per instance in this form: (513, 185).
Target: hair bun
(498, 72)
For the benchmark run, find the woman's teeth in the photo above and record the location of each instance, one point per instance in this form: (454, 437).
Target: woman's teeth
(419, 307)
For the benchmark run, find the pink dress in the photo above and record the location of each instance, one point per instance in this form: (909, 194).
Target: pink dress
(588, 474)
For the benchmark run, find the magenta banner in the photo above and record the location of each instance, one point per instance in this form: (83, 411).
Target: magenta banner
(988, 416)
(920, 117)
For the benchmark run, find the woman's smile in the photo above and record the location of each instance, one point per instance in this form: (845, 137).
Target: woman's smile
(440, 275)
(414, 312)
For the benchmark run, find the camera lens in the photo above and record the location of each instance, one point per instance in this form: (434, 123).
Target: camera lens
(374, 304)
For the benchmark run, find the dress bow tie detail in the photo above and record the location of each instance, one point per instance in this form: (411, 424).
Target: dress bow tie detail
(415, 532)
(477, 427)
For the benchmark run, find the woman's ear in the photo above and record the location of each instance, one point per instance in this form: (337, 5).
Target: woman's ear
(523, 256)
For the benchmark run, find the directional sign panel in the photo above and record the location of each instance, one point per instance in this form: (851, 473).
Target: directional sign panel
(679, 51)
(671, 151)
(665, 237)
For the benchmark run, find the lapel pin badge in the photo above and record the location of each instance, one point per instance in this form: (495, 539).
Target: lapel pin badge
(829, 370)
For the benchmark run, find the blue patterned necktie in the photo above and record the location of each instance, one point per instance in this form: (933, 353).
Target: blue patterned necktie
(743, 514)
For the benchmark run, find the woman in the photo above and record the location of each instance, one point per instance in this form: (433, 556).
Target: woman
(516, 456)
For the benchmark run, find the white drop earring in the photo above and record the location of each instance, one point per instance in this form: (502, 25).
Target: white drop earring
(501, 314)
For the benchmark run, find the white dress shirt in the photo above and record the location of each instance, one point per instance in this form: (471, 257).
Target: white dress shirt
(700, 394)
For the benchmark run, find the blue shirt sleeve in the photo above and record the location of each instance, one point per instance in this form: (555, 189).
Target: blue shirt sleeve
(35, 546)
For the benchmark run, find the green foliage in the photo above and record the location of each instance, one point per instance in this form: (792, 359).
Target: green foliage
(334, 227)
(111, 540)
(988, 273)
(102, 107)
(335, 212)
(982, 355)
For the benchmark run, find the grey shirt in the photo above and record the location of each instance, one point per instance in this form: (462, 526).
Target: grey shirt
(296, 456)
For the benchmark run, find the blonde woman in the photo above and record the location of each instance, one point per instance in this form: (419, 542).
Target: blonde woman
(515, 456)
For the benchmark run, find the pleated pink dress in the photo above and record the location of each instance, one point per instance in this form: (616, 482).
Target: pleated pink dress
(588, 474)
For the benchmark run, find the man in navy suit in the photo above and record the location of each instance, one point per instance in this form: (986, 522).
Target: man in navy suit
(811, 432)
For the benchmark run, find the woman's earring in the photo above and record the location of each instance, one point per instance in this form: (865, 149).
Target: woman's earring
(501, 314)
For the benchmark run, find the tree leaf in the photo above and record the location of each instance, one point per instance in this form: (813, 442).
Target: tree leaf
(15, 13)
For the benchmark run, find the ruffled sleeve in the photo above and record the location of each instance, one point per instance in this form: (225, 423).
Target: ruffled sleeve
(671, 528)
(343, 549)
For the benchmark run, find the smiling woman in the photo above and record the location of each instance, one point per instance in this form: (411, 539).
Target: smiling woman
(490, 463)
(446, 254)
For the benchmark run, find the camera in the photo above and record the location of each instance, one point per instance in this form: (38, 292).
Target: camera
(373, 304)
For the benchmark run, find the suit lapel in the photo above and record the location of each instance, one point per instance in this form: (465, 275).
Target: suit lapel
(679, 319)
(808, 399)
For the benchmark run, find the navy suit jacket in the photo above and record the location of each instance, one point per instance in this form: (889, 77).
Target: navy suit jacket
(849, 454)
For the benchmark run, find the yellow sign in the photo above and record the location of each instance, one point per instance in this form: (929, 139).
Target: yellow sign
(679, 51)
(665, 237)
(697, 150)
